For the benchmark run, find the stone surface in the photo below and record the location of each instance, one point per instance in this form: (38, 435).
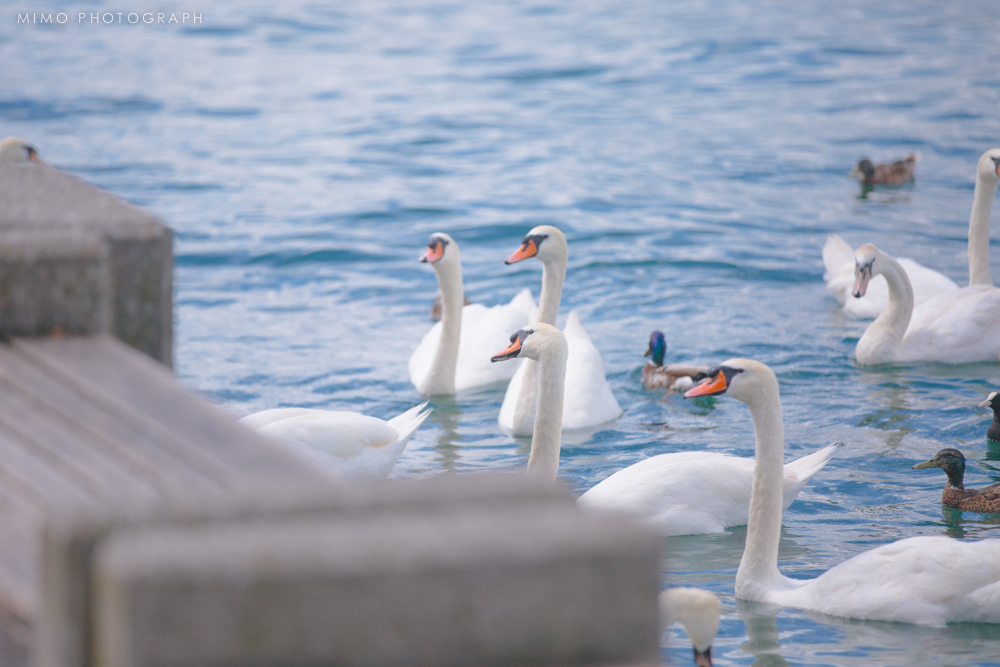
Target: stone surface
(44, 215)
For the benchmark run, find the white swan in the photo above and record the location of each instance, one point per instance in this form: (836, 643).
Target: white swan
(588, 399)
(958, 327)
(987, 178)
(454, 354)
(924, 580)
(684, 493)
(349, 444)
(838, 258)
(698, 613)
(15, 149)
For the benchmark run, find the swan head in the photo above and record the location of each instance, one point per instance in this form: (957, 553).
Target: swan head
(544, 242)
(15, 149)
(864, 167)
(744, 379)
(657, 347)
(533, 342)
(441, 249)
(952, 462)
(866, 264)
(992, 401)
(698, 613)
(989, 165)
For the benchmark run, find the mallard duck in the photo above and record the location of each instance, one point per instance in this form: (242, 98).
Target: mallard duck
(896, 173)
(955, 494)
(672, 377)
(993, 401)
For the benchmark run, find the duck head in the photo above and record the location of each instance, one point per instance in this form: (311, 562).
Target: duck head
(952, 462)
(865, 167)
(993, 402)
(657, 347)
(544, 242)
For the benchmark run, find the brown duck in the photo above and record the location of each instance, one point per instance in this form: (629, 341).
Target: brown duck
(897, 173)
(955, 494)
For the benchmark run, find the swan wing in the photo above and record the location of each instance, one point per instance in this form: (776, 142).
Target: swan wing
(484, 332)
(959, 327)
(588, 399)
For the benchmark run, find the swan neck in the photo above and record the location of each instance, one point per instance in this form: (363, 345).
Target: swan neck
(759, 565)
(883, 336)
(553, 275)
(543, 460)
(979, 232)
(441, 377)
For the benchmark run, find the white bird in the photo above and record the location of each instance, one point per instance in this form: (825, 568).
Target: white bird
(454, 354)
(958, 327)
(684, 493)
(350, 445)
(987, 178)
(588, 397)
(15, 149)
(698, 613)
(930, 580)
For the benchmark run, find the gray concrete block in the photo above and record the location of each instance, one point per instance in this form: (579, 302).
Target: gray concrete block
(39, 200)
(544, 585)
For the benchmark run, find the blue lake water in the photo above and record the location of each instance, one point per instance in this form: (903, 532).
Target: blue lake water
(695, 154)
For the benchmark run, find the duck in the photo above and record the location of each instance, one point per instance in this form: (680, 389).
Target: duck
(589, 400)
(453, 355)
(682, 493)
(955, 494)
(928, 580)
(16, 150)
(349, 445)
(955, 328)
(993, 401)
(896, 173)
(673, 377)
(698, 613)
(838, 260)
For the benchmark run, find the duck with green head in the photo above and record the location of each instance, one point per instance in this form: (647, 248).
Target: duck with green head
(672, 377)
(955, 494)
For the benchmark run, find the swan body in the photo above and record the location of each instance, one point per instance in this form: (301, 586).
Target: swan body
(698, 613)
(694, 493)
(672, 377)
(453, 355)
(958, 327)
(838, 258)
(588, 399)
(15, 150)
(349, 444)
(930, 580)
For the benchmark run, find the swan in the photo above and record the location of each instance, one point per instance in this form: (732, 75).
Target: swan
(349, 444)
(958, 327)
(698, 613)
(684, 493)
(672, 377)
(838, 258)
(955, 494)
(452, 356)
(993, 401)
(896, 173)
(930, 580)
(588, 397)
(987, 178)
(15, 149)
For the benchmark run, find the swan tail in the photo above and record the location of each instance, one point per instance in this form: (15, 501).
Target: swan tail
(407, 423)
(810, 464)
(525, 302)
(836, 254)
(574, 328)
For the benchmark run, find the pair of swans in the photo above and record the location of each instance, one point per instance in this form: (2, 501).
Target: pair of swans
(682, 493)
(926, 283)
(454, 353)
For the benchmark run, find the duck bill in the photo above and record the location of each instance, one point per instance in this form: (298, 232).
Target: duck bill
(710, 387)
(512, 351)
(527, 250)
(926, 464)
(854, 172)
(433, 254)
(985, 404)
(703, 658)
(649, 351)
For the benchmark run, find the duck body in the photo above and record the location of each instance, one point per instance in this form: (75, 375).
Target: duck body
(838, 259)
(672, 377)
(350, 445)
(993, 401)
(899, 172)
(694, 493)
(955, 494)
(930, 580)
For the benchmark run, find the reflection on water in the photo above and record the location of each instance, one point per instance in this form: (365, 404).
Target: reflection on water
(762, 643)
(447, 413)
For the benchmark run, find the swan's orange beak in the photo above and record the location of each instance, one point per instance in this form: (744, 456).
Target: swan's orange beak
(435, 251)
(527, 249)
(510, 352)
(710, 387)
(33, 156)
